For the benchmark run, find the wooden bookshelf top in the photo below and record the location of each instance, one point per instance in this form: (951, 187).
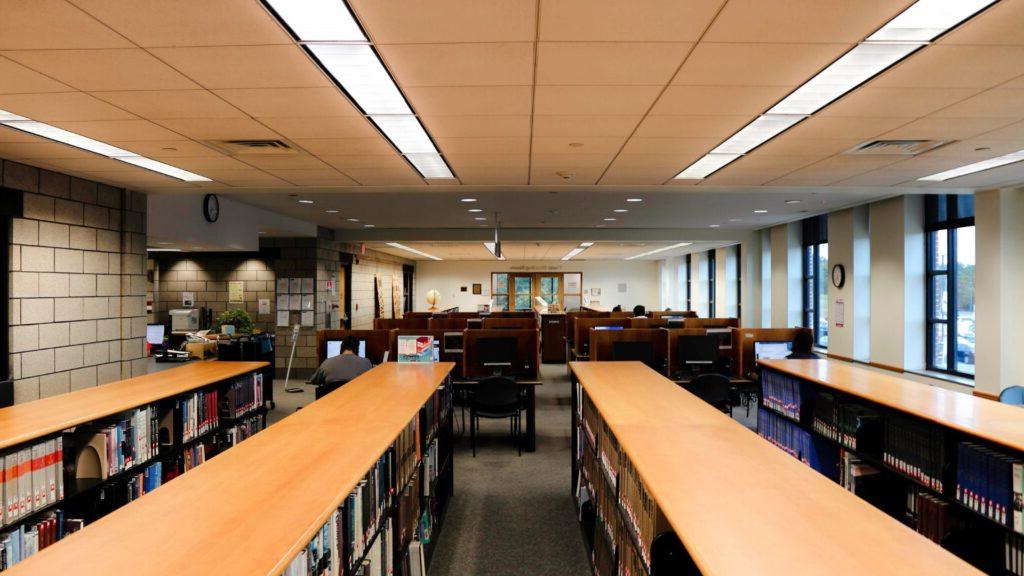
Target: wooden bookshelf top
(738, 504)
(980, 417)
(251, 509)
(31, 420)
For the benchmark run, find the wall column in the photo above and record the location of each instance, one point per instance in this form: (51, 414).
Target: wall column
(849, 244)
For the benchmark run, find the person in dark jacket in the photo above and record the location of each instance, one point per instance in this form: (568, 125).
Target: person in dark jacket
(803, 347)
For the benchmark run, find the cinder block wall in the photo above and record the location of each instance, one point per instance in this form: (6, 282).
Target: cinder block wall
(78, 285)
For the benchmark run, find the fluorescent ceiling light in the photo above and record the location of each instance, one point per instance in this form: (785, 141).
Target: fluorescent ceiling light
(413, 250)
(490, 248)
(165, 169)
(927, 19)
(576, 251)
(976, 167)
(6, 116)
(360, 72)
(707, 165)
(406, 132)
(319, 20)
(849, 71)
(756, 133)
(430, 165)
(163, 249)
(634, 199)
(657, 250)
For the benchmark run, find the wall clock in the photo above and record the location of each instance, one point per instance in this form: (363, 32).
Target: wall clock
(838, 275)
(211, 207)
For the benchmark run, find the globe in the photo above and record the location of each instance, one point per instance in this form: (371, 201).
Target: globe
(433, 297)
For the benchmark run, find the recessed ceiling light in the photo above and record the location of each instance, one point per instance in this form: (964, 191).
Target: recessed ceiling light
(468, 200)
(620, 210)
(165, 243)
(714, 225)
(657, 250)
(480, 218)
(975, 167)
(305, 201)
(927, 19)
(599, 226)
(760, 211)
(706, 166)
(634, 199)
(331, 211)
(735, 219)
(793, 201)
(163, 249)
(413, 250)
(474, 210)
(609, 219)
(576, 251)
(353, 219)
(490, 248)
(319, 20)
(368, 225)
(756, 133)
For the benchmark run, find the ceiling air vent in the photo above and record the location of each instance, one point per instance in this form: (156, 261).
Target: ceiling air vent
(895, 147)
(254, 147)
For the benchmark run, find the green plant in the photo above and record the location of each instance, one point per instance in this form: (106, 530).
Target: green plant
(238, 318)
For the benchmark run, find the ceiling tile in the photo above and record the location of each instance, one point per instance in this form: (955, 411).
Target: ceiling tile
(398, 176)
(516, 145)
(570, 144)
(470, 100)
(334, 127)
(52, 24)
(842, 127)
(995, 103)
(481, 64)
(757, 169)
(977, 149)
(245, 66)
(581, 176)
(119, 130)
(356, 161)
(832, 170)
(584, 126)
(290, 102)
(719, 127)
(201, 164)
(789, 145)
(508, 176)
(219, 128)
(413, 22)
(871, 101)
(653, 161)
(138, 178)
(557, 162)
(725, 100)
(802, 21)
(275, 164)
(687, 149)
(100, 70)
(714, 64)
(156, 104)
(942, 66)
(616, 21)
(999, 24)
(477, 126)
(933, 128)
(1013, 132)
(93, 163)
(162, 149)
(628, 175)
(17, 79)
(61, 106)
(251, 177)
(341, 146)
(41, 149)
(461, 162)
(609, 63)
(594, 100)
(151, 23)
(314, 177)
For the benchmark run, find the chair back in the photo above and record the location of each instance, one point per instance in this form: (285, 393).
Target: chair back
(496, 392)
(1012, 395)
(711, 388)
(327, 388)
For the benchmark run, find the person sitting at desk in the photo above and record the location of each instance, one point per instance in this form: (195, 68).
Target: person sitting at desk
(639, 311)
(343, 367)
(803, 347)
(618, 308)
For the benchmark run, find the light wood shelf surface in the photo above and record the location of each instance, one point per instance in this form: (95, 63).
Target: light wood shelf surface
(31, 420)
(252, 508)
(980, 417)
(738, 504)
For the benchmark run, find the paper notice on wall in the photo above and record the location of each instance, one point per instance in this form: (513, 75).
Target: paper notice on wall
(307, 285)
(264, 305)
(236, 291)
(307, 301)
(295, 285)
(188, 299)
(282, 285)
(282, 302)
(307, 318)
(840, 313)
(282, 317)
(295, 302)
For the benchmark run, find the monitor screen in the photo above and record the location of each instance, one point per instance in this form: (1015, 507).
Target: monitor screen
(417, 349)
(496, 351)
(634, 351)
(695, 351)
(453, 341)
(724, 336)
(608, 327)
(334, 348)
(772, 350)
(155, 334)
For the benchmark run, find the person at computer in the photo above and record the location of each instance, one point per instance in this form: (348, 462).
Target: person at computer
(618, 308)
(343, 367)
(803, 347)
(639, 311)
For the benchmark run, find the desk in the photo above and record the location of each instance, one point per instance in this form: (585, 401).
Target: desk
(738, 504)
(531, 407)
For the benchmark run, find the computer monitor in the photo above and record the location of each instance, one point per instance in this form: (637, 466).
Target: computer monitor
(155, 334)
(608, 327)
(452, 342)
(496, 353)
(724, 336)
(697, 353)
(772, 350)
(334, 348)
(634, 351)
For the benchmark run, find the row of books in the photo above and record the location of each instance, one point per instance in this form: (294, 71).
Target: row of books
(33, 478)
(641, 515)
(365, 508)
(609, 450)
(603, 558)
(435, 409)
(1015, 554)
(784, 394)
(916, 449)
(931, 514)
(991, 483)
(851, 424)
(407, 449)
(431, 467)
(810, 449)
(319, 557)
(145, 481)
(854, 473)
(27, 539)
(199, 414)
(243, 429)
(120, 443)
(192, 456)
(243, 395)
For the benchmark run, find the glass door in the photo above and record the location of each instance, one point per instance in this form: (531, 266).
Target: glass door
(522, 292)
(550, 289)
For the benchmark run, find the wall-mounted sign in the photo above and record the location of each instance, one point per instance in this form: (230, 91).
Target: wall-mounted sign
(236, 291)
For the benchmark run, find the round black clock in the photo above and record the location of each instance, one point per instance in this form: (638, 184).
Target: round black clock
(211, 207)
(838, 275)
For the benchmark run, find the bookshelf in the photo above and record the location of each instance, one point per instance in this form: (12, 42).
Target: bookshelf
(947, 464)
(69, 460)
(721, 500)
(256, 508)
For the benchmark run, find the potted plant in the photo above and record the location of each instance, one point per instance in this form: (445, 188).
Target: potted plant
(238, 318)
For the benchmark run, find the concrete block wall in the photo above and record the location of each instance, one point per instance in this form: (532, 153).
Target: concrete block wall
(78, 283)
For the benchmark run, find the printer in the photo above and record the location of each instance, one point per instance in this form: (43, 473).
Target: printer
(184, 320)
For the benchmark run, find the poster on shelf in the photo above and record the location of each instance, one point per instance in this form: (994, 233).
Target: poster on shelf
(416, 349)
(188, 299)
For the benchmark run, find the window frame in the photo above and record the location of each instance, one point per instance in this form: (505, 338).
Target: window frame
(689, 281)
(947, 224)
(815, 233)
(711, 283)
(739, 281)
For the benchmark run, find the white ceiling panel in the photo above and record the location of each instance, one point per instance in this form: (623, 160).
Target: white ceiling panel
(333, 127)
(470, 100)
(714, 100)
(119, 130)
(290, 102)
(716, 64)
(943, 66)
(18, 79)
(516, 145)
(584, 126)
(577, 145)
(245, 66)
(594, 100)
(802, 21)
(608, 63)
(616, 21)
(477, 126)
(715, 127)
(219, 128)
(341, 146)
(96, 70)
(53, 24)
(478, 64)
(158, 104)
(61, 106)
(415, 22)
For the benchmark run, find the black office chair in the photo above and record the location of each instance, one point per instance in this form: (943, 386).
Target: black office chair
(329, 387)
(496, 398)
(713, 389)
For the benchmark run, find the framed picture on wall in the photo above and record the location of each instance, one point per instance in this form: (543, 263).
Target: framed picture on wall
(478, 289)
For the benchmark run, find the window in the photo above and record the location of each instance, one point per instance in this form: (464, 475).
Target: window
(739, 282)
(516, 291)
(522, 292)
(550, 289)
(815, 269)
(689, 280)
(499, 289)
(711, 283)
(949, 223)
(681, 274)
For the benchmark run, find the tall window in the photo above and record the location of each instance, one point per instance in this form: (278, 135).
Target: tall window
(711, 283)
(739, 282)
(689, 281)
(499, 290)
(681, 274)
(815, 264)
(949, 222)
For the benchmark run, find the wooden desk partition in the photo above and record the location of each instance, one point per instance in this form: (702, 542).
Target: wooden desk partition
(445, 355)
(252, 509)
(510, 323)
(377, 342)
(417, 315)
(552, 338)
(704, 470)
(711, 323)
(458, 314)
(393, 323)
(663, 313)
(672, 338)
(514, 314)
(570, 322)
(602, 343)
(527, 353)
(450, 324)
(743, 344)
(581, 332)
(648, 323)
